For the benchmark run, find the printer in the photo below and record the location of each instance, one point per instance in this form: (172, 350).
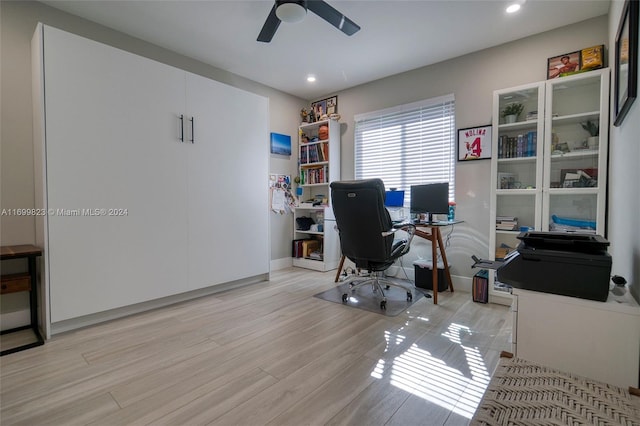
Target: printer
(568, 264)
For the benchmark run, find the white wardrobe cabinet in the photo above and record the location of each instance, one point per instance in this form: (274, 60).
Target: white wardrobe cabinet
(134, 213)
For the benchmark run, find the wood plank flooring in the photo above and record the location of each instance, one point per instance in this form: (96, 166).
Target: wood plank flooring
(265, 354)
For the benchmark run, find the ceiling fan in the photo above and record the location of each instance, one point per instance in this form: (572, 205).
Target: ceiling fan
(296, 10)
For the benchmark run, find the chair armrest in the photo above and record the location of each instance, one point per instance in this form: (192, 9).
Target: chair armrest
(409, 228)
(402, 247)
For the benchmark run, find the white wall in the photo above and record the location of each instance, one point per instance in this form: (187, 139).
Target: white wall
(472, 79)
(624, 180)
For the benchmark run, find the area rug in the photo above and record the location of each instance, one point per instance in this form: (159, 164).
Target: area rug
(524, 393)
(364, 298)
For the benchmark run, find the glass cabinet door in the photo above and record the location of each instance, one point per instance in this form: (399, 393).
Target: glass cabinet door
(575, 153)
(517, 164)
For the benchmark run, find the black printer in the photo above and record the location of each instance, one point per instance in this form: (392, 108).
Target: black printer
(569, 264)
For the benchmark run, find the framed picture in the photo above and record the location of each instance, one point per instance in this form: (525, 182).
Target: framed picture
(474, 143)
(324, 106)
(626, 72)
(592, 58)
(280, 144)
(561, 65)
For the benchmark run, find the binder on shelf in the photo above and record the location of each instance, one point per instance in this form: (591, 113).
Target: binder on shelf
(296, 248)
(480, 286)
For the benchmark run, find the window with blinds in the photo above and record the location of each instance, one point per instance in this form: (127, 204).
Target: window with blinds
(408, 145)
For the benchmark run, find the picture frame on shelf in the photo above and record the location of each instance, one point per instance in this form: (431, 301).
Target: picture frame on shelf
(506, 180)
(332, 105)
(626, 61)
(280, 144)
(324, 107)
(562, 65)
(474, 143)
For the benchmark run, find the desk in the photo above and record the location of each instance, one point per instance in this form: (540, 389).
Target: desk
(23, 282)
(432, 233)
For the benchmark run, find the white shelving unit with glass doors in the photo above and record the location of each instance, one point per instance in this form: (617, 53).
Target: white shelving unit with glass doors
(547, 173)
(318, 166)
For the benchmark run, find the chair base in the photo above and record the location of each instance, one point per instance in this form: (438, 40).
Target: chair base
(377, 280)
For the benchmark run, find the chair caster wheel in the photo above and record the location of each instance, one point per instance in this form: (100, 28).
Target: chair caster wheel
(409, 296)
(345, 297)
(387, 287)
(383, 305)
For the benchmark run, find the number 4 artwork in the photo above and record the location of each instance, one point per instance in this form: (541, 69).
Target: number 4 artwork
(474, 143)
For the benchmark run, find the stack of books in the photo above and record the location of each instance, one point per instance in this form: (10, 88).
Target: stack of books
(480, 289)
(506, 223)
(523, 145)
(316, 255)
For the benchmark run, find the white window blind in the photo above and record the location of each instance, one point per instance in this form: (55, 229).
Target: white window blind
(408, 145)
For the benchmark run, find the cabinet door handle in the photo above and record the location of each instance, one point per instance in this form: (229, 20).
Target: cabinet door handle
(181, 127)
(193, 137)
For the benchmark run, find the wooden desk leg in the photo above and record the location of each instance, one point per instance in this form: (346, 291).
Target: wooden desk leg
(339, 269)
(446, 264)
(434, 261)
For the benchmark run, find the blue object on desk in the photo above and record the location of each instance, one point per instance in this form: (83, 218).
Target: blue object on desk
(394, 198)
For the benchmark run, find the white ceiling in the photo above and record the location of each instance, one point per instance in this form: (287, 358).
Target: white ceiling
(396, 35)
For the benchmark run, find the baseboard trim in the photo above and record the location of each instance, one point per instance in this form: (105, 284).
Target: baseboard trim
(284, 263)
(100, 317)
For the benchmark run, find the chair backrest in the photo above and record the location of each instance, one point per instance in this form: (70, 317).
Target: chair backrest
(362, 218)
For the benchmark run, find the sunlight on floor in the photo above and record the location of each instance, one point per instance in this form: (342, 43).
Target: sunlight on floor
(418, 372)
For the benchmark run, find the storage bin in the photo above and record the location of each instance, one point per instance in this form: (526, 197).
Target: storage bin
(424, 274)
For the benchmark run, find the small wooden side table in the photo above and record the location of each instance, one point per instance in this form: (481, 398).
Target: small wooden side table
(13, 283)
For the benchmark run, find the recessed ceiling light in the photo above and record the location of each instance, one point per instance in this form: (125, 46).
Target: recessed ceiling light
(311, 78)
(512, 8)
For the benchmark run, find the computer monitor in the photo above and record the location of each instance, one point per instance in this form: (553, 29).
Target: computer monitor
(394, 198)
(431, 198)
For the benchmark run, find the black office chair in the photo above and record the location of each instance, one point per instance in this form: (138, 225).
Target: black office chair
(367, 233)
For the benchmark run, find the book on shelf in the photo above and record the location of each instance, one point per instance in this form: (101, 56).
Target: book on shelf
(296, 248)
(506, 223)
(519, 146)
(314, 153)
(314, 175)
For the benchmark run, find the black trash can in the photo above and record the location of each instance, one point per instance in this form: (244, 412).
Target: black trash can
(424, 274)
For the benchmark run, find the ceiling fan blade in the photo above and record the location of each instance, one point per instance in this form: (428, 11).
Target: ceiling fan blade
(332, 16)
(270, 26)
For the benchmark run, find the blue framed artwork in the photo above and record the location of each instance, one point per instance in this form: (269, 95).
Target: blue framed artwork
(280, 144)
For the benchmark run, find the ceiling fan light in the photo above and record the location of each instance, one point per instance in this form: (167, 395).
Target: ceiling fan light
(291, 12)
(512, 8)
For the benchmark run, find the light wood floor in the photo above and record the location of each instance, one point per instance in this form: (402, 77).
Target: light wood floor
(269, 353)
